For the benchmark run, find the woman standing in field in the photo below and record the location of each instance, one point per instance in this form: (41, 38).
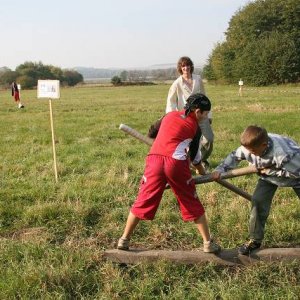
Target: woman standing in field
(185, 85)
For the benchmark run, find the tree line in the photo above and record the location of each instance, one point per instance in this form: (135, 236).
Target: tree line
(131, 76)
(29, 73)
(262, 45)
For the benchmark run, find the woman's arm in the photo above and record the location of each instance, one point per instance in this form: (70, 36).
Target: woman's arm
(172, 103)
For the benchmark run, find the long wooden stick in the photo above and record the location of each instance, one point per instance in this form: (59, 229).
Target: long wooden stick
(53, 142)
(230, 174)
(136, 134)
(235, 189)
(208, 177)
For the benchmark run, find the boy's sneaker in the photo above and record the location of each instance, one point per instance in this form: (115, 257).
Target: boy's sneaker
(123, 244)
(248, 247)
(211, 247)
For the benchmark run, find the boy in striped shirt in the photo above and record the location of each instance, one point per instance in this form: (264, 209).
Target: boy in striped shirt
(278, 160)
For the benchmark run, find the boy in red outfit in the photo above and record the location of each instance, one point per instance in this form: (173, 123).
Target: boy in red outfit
(167, 162)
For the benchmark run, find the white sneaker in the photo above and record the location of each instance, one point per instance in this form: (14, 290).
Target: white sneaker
(211, 247)
(123, 244)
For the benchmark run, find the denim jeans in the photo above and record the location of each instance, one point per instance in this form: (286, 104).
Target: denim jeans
(261, 204)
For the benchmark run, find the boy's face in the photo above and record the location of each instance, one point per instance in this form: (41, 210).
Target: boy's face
(201, 115)
(259, 150)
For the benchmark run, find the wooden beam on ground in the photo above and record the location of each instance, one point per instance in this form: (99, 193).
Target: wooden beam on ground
(228, 257)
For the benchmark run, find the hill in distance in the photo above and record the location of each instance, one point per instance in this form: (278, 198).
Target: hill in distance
(90, 72)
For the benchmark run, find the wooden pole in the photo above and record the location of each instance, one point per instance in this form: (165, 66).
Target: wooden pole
(235, 189)
(136, 134)
(198, 179)
(230, 174)
(53, 142)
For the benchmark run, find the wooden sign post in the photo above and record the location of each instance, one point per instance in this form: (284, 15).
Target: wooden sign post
(50, 89)
(241, 83)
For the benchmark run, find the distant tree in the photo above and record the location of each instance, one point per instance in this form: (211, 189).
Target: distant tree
(208, 72)
(116, 80)
(72, 77)
(124, 75)
(7, 77)
(133, 75)
(31, 72)
(57, 73)
(26, 81)
(262, 45)
(3, 70)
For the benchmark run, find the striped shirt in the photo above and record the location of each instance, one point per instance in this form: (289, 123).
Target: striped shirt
(281, 158)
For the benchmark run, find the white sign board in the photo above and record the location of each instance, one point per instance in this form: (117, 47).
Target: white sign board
(19, 86)
(48, 89)
(241, 82)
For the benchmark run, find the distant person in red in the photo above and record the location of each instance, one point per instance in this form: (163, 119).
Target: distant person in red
(16, 94)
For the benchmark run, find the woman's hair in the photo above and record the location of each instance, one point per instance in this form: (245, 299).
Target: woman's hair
(184, 61)
(254, 136)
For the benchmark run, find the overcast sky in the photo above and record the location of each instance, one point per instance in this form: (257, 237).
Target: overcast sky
(111, 33)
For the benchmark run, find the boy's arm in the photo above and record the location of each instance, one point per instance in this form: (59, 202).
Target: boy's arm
(231, 161)
(194, 151)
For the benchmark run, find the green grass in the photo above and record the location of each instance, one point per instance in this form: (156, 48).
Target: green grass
(52, 236)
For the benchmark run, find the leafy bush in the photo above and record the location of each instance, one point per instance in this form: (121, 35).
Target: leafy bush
(116, 80)
(29, 73)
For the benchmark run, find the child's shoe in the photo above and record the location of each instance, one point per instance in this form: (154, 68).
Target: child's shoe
(248, 247)
(211, 247)
(123, 244)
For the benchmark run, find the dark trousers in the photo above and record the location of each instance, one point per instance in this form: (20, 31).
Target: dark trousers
(207, 139)
(261, 204)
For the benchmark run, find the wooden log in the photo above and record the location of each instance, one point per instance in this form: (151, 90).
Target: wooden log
(235, 189)
(226, 175)
(228, 257)
(230, 187)
(136, 134)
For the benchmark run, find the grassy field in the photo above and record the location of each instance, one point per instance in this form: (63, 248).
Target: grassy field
(52, 236)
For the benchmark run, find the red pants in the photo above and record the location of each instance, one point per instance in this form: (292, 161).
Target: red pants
(17, 96)
(159, 171)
